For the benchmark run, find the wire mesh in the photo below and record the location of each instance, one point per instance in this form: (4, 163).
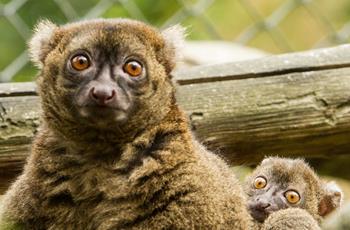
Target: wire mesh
(207, 19)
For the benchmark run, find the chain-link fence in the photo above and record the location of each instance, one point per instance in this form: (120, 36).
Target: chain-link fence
(275, 26)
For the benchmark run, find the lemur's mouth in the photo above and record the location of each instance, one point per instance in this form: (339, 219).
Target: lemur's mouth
(103, 114)
(97, 108)
(259, 214)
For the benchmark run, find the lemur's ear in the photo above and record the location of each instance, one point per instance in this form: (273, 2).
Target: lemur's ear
(39, 44)
(331, 199)
(267, 160)
(174, 38)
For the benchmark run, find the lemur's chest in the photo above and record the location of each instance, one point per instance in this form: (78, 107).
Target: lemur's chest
(91, 194)
(117, 193)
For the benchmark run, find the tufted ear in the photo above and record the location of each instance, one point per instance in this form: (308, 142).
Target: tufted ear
(39, 44)
(331, 199)
(174, 38)
(267, 160)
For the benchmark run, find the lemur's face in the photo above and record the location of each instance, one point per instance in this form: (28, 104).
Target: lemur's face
(106, 79)
(105, 73)
(281, 184)
(268, 195)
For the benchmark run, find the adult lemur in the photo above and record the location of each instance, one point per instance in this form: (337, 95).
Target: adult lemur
(114, 150)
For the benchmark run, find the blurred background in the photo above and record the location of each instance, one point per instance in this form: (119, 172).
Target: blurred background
(268, 26)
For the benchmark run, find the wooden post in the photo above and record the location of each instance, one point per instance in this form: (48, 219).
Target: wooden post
(295, 104)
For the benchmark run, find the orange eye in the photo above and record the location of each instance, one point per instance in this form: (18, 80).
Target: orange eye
(292, 196)
(80, 62)
(260, 182)
(133, 68)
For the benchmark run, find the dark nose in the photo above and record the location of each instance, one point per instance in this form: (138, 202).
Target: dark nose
(102, 95)
(262, 205)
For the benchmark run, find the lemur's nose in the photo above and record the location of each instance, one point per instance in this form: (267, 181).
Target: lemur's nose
(260, 204)
(263, 205)
(102, 94)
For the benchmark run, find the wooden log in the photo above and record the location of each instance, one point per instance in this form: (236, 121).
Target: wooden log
(19, 120)
(291, 105)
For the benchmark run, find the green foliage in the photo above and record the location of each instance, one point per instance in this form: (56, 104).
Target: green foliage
(224, 19)
(10, 225)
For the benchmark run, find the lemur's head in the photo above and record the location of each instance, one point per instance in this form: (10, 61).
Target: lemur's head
(104, 74)
(280, 183)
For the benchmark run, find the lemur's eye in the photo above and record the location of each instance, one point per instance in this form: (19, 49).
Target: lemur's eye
(292, 196)
(80, 62)
(133, 68)
(260, 182)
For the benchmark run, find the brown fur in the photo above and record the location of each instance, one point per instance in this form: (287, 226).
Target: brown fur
(317, 197)
(145, 173)
(290, 219)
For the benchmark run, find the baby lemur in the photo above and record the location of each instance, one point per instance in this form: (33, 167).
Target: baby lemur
(114, 150)
(281, 183)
